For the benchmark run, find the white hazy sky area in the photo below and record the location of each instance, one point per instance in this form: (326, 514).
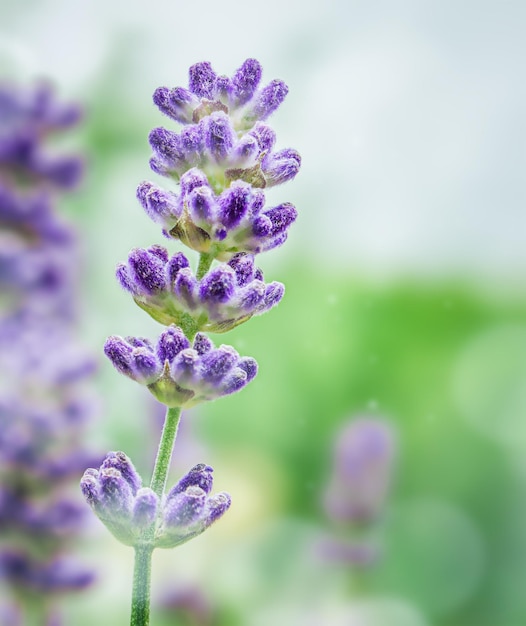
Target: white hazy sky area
(409, 115)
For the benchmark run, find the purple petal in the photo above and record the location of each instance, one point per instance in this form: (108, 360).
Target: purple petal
(200, 476)
(170, 344)
(246, 80)
(119, 353)
(185, 287)
(264, 135)
(145, 507)
(249, 365)
(185, 508)
(119, 461)
(234, 204)
(217, 506)
(145, 366)
(158, 203)
(218, 285)
(147, 270)
(201, 204)
(269, 99)
(202, 344)
(243, 266)
(176, 263)
(186, 367)
(282, 166)
(167, 145)
(192, 179)
(217, 363)
(177, 103)
(219, 135)
(202, 80)
(281, 217)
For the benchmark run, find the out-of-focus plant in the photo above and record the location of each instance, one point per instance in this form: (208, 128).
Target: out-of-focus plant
(364, 454)
(44, 402)
(222, 160)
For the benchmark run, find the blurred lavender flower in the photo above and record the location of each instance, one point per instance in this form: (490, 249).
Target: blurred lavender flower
(44, 401)
(364, 455)
(38, 247)
(27, 118)
(225, 297)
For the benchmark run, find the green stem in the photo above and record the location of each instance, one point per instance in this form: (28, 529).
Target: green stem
(164, 454)
(205, 261)
(140, 612)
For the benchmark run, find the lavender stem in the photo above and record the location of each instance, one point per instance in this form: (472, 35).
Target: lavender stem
(140, 611)
(164, 454)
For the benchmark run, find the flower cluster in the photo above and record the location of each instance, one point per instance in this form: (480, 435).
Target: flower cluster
(222, 159)
(225, 297)
(116, 494)
(44, 401)
(178, 375)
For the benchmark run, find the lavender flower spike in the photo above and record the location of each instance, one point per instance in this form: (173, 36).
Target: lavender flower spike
(44, 402)
(225, 297)
(222, 159)
(180, 376)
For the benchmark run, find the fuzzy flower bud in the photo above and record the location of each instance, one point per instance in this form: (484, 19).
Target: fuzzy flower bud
(189, 508)
(115, 494)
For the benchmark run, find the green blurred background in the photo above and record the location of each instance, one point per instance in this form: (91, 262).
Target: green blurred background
(405, 298)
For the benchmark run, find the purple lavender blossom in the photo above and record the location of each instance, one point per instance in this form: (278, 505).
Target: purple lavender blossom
(239, 96)
(116, 495)
(60, 575)
(189, 508)
(225, 297)
(27, 118)
(179, 375)
(225, 224)
(222, 158)
(363, 462)
(213, 146)
(126, 508)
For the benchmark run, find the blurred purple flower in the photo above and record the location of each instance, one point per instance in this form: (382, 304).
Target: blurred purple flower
(44, 400)
(363, 460)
